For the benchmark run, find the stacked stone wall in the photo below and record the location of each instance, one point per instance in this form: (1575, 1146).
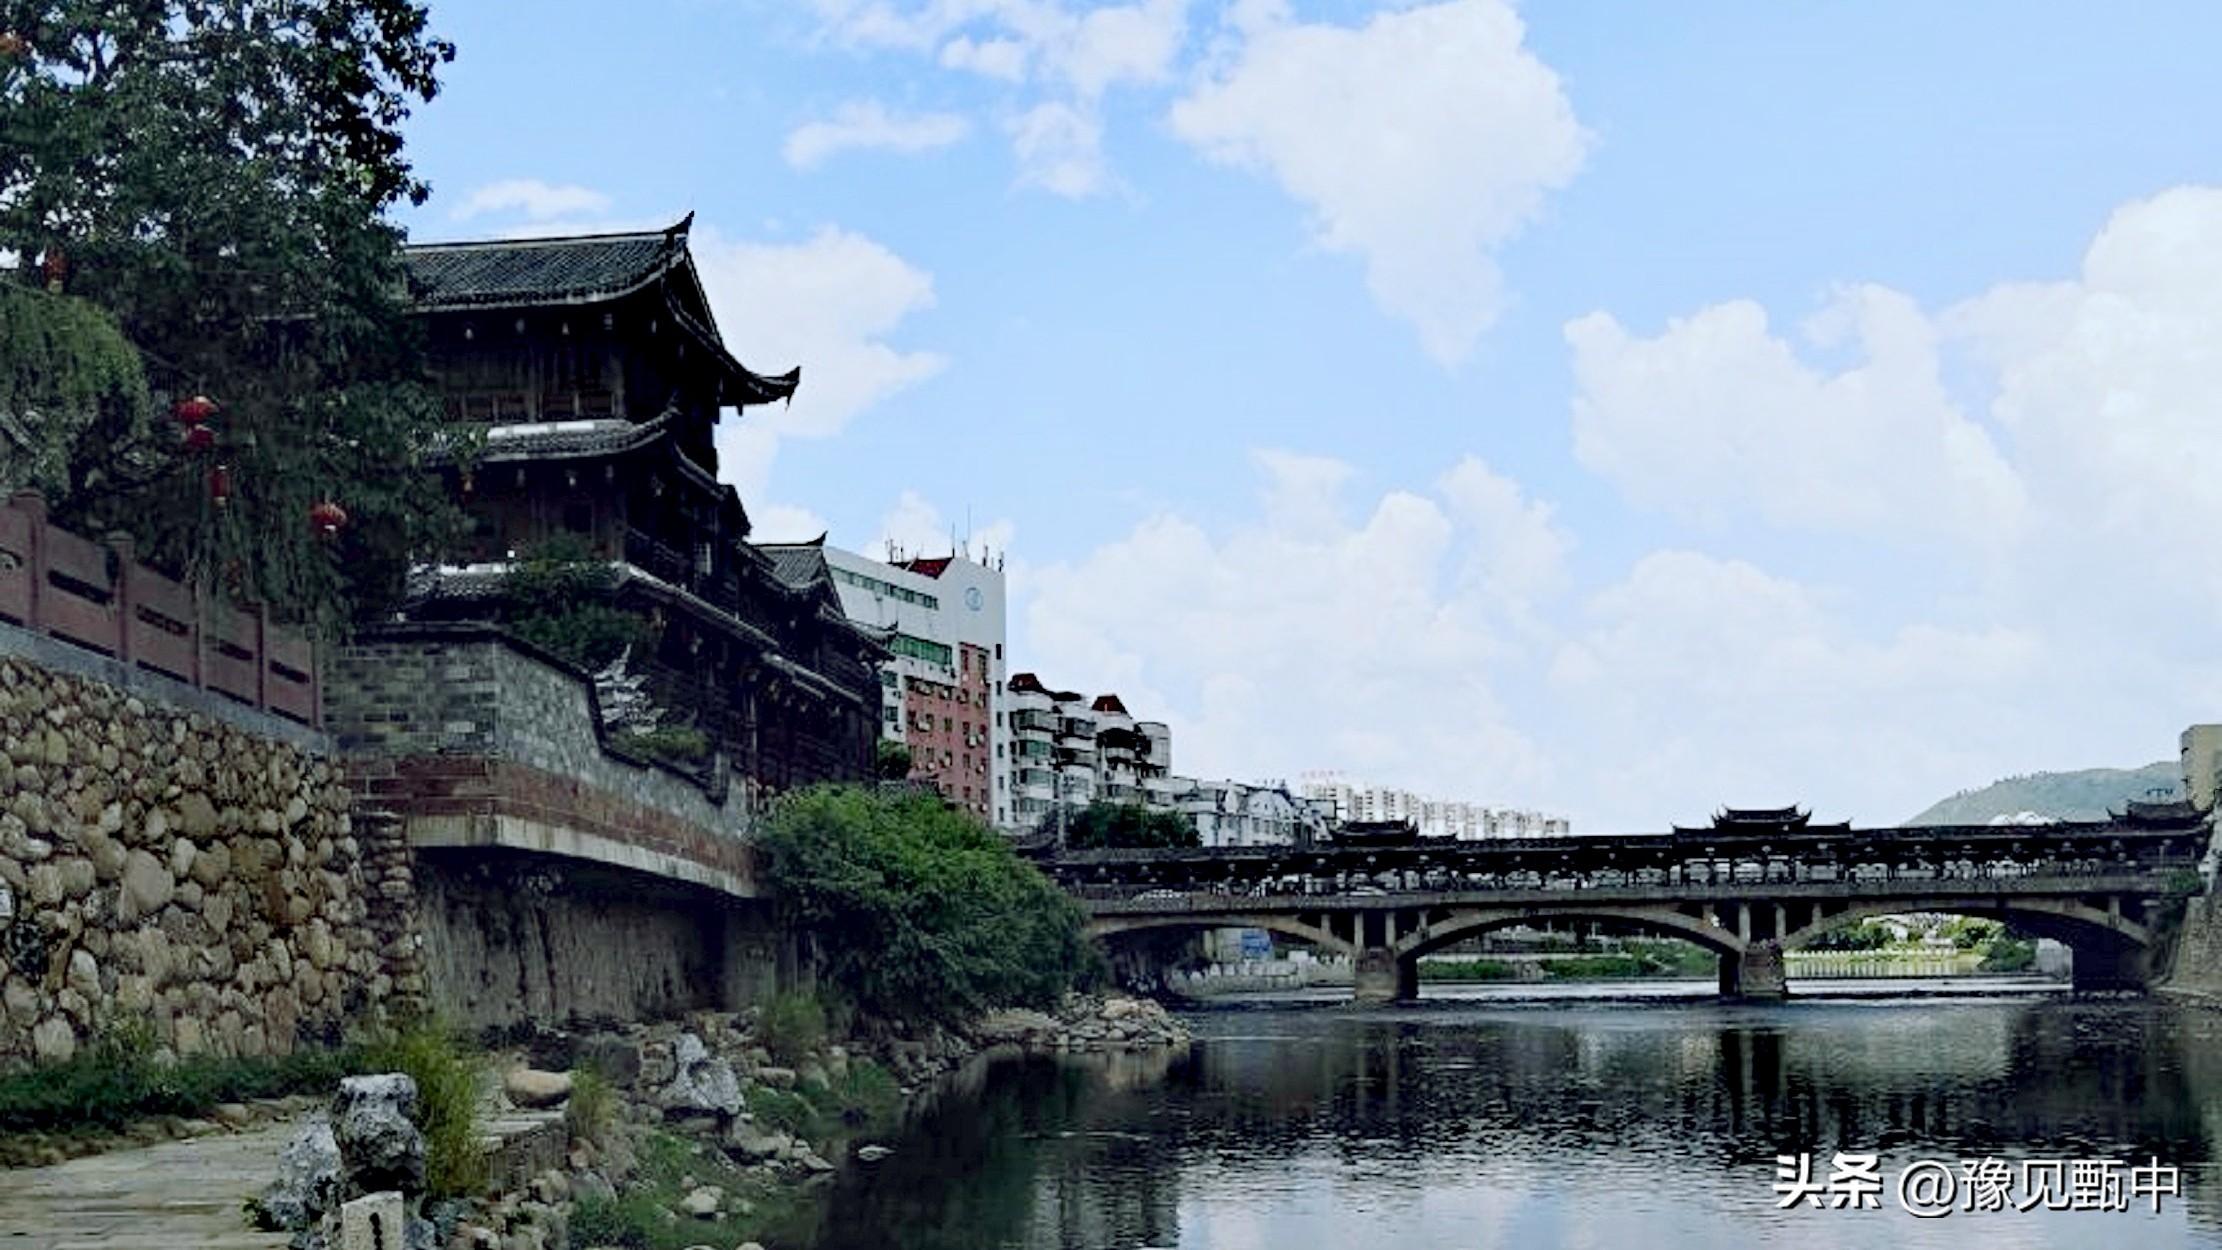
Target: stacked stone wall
(171, 865)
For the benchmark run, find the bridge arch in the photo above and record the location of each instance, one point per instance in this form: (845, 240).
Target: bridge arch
(1105, 927)
(2111, 950)
(2068, 920)
(1665, 921)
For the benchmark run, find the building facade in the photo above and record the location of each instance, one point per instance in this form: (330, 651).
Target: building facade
(1346, 801)
(1073, 749)
(941, 618)
(1233, 813)
(588, 376)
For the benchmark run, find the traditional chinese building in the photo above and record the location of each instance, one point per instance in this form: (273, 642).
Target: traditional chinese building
(589, 375)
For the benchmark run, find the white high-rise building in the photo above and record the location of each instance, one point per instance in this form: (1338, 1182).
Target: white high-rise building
(944, 695)
(1069, 748)
(1435, 818)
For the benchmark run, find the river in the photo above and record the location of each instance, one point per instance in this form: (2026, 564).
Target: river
(1584, 1116)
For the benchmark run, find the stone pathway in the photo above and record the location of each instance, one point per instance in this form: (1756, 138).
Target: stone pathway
(173, 1196)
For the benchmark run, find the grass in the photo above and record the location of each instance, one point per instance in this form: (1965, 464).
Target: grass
(670, 1167)
(1467, 970)
(1636, 959)
(793, 1026)
(117, 1079)
(592, 1108)
(448, 1073)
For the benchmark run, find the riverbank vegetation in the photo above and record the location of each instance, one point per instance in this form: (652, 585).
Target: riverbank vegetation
(1633, 959)
(124, 1078)
(919, 911)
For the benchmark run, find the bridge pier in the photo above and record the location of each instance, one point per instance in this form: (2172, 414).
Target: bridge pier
(1380, 977)
(2111, 966)
(1757, 973)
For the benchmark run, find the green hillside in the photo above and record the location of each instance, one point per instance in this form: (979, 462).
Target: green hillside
(2085, 794)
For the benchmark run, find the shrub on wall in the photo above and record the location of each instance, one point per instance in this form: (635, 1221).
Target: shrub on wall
(557, 598)
(922, 912)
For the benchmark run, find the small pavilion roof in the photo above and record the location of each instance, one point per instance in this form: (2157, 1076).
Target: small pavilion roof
(489, 274)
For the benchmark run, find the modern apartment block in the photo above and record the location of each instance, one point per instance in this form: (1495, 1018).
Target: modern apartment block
(1436, 818)
(1232, 813)
(1069, 748)
(943, 694)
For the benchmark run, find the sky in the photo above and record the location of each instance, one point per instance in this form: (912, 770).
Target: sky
(1621, 410)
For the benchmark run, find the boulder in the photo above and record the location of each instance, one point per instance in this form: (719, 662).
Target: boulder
(777, 1078)
(378, 1145)
(703, 1083)
(308, 1181)
(147, 885)
(530, 1087)
(747, 1142)
(616, 1058)
(702, 1203)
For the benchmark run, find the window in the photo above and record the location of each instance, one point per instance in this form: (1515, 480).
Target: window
(921, 649)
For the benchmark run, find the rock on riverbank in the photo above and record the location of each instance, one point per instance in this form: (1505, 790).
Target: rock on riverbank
(715, 1133)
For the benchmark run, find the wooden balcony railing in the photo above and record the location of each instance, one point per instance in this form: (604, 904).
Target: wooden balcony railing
(99, 597)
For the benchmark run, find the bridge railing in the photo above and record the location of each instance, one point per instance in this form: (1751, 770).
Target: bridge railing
(99, 597)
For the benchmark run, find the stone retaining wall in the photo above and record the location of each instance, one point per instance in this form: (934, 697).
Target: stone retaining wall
(165, 865)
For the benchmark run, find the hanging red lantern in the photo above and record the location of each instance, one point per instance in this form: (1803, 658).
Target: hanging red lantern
(219, 484)
(328, 518)
(199, 438)
(194, 411)
(55, 265)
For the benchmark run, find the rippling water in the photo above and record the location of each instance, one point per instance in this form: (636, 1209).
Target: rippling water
(1580, 1121)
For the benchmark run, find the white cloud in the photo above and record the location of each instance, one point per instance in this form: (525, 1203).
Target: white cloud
(539, 201)
(1060, 59)
(1696, 681)
(1717, 416)
(2082, 458)
(830, 304)
(866, 125)
(1060, 149)
(2048, 451)
(1420, 141)
(917, 526)
(1309, 634)
(1003, 59)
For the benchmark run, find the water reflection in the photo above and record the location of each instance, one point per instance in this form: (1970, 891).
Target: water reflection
(1608, 1124)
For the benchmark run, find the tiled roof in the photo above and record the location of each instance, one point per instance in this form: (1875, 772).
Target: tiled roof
(504, 272)
(797, 564)
(598, 436)
(580, 269)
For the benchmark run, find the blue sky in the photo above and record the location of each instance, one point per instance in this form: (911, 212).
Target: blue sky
(1620, 409)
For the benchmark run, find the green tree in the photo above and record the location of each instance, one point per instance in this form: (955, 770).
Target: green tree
(1125, 826)
(215, 175)
(921, 911)
(557, 596)
(891, 760)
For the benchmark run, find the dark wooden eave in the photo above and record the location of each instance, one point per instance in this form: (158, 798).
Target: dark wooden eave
(574, 270)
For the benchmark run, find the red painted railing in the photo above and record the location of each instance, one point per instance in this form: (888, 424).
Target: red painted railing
(59, 584)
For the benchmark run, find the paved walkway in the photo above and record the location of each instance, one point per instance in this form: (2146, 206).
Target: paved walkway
(173, 1196)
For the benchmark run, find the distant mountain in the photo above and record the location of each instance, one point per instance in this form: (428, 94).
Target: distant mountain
(2086, 794)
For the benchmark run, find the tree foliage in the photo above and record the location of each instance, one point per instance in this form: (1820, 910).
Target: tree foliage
(921, 911)
(557, 596)
(215, 174)
(891, 760)
(70, 385)
(1125, 826)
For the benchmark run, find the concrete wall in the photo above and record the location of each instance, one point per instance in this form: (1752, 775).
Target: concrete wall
(177, 862)
(511, 938)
